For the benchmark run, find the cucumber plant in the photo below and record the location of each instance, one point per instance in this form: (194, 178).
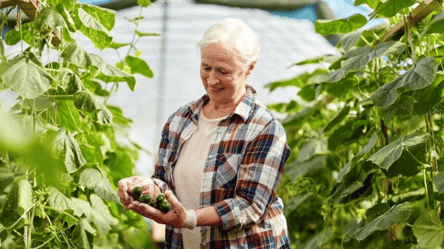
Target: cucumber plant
(366, 133)
(60, 160)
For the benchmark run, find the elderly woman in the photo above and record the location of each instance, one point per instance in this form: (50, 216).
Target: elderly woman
(221, 157)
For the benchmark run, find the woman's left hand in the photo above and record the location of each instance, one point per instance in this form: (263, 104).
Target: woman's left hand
(175, 217)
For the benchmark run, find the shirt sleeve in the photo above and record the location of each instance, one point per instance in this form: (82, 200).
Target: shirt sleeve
(260, 171)
(161, 177)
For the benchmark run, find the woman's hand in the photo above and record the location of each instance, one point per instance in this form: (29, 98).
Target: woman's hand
(127, 184)
(176, 217)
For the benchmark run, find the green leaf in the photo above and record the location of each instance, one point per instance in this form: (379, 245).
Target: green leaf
(61, 9)
(418, 76)
(298, 81)
(116, 45)
(340, 26)
(336, 120)
(300, 169)
(25, 77)
(318, 240)
(144, 3)
(391, 8)
(138, 65)
(68, 116)
(364, 57)
(94, 179)
(106, 17)
(92, 28)
(118, 117)
(439, 182)
(429, 99)
(142, 34)
(295, 118)
(315, 146)
(407, 165)
(401, 108)
(84, 100)
(346, 169)
(340, 88)
(67, 148)
(12, 37)
(69, 81)
(81, 238)
(17, 204)
(49, 19)
(386, 156)
(397, 214)
(110, 73)
(350, 39)
(346, 134)
(307, 93)
(76, 55)
(428, 230)
(371, 3)
(97, 213)
(95, 87)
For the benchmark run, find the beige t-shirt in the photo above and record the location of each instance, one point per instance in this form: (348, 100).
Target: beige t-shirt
(188, 172)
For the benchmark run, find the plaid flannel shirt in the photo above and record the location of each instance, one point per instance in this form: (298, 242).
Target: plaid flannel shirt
(241, 174)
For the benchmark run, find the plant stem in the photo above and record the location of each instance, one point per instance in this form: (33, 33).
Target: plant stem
(426, 189)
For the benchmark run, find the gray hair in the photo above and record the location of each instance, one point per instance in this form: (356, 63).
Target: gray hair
(237, 35)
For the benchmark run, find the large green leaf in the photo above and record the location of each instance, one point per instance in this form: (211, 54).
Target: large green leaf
(97, 213)
(49, 19)
(69, 81)
(350, 39)
(403, 107)
(336, 120)
(59, 201)
(371, 3)
(418, 76)
(407, 165)
(430, 98)
(93, 179)
(138, 65)
(18, 203)
(318, 241)
(300, 169)
(106, 17)
(110, 73)
(397, 214)
(81, 237)
(298, 81)
(67, 148)
(361, 60)
(118, 117)
(391, 8)
(92, 28)
(345, 25)
(76, 55)
(26, 78)
(346, 169)
(68, 116)
(84, 100)
(428, 230)
(346, 134)
(386, 156)
(315, 146)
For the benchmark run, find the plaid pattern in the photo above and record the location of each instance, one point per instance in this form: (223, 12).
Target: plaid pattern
(242, 171)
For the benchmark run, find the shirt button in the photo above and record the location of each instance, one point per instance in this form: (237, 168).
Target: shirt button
(210, 156)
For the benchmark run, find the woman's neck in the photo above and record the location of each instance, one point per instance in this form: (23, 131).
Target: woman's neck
(213, 110)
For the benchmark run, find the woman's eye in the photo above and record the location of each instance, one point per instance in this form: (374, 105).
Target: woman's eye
(207, 68)
(223, 72)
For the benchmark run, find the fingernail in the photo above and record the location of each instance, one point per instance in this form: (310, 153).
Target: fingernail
(126, 197)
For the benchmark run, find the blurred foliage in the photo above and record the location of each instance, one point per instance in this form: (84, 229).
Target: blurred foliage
(366, 135)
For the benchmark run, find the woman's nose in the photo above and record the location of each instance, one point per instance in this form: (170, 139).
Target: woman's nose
(212, 79)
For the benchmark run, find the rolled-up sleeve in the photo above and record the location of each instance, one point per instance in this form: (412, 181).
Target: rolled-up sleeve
(259, 174)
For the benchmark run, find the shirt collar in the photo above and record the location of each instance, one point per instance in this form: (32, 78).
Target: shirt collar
(243, 109)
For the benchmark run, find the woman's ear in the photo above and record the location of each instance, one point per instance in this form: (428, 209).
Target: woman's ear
(250, 68)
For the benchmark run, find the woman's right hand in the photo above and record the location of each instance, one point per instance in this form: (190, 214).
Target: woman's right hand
(127, 184)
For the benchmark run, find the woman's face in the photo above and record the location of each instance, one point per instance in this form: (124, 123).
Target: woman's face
(223, 74)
